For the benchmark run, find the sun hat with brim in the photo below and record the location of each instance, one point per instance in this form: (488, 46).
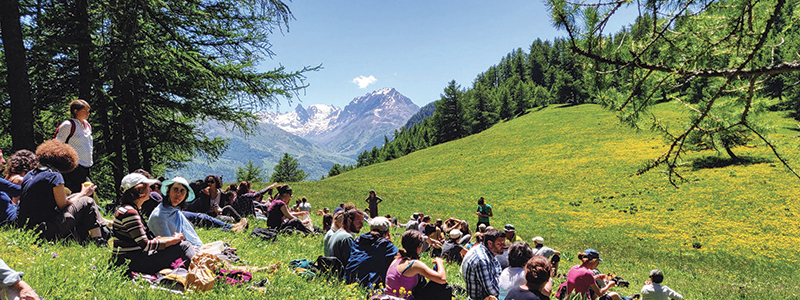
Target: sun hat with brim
(509, 228)
(133, 179)
(166, 183)
(455, 234)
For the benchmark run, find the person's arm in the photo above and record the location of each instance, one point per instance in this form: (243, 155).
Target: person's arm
(379, 200)
(25, 291)
(439, 276)
(62, 133)
(490, 213)
(10, 188)
(598, 291)
(61, 196)
(286, 213)
(672, 294)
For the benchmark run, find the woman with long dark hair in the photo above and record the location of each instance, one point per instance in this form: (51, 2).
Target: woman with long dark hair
(278, 215)
(134, 242)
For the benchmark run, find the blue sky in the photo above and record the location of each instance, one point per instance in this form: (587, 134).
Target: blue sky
(416, 47)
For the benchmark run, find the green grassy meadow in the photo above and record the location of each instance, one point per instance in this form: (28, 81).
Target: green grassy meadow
(564, 173)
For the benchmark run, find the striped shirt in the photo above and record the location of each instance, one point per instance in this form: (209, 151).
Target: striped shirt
(130, 233)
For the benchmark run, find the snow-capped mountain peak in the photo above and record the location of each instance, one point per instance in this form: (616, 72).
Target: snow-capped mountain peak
(348, 130)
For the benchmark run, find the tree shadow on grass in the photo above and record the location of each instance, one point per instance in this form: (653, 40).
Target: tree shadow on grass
(712, 162)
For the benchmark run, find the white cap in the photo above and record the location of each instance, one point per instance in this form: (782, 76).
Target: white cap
(455, 233)
(133, 179)
(538, 240)
(380, 224)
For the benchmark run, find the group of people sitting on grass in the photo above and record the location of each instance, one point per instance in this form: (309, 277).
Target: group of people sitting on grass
(153, 227)
(494, 264)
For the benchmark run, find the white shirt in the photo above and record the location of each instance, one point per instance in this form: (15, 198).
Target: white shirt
(509, 279)
(81, 140)
(657, 291)
(305, 206)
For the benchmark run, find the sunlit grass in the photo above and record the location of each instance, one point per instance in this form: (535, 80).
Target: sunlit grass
(565, 174)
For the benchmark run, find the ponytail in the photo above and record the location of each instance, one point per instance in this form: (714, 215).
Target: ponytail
(411, 241)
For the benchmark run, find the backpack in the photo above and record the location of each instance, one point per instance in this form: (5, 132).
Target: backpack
(266, 234)
(71, 131)
(331, 266)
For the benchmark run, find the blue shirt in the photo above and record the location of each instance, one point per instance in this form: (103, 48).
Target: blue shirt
(8, 210)
(481, 272)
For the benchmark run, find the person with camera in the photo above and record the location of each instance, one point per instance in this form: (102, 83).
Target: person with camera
(581, 280)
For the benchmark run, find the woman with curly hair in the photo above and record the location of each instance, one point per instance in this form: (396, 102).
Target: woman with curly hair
(18, 165)
(44, 204)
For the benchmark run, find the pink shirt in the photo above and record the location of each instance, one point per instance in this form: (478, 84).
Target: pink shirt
(579, 280)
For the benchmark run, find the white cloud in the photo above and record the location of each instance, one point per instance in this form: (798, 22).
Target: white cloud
(363, 81)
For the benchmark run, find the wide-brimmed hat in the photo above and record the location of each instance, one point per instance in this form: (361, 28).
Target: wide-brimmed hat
(414, 216)
(509, 228)
(166, 183)
(133, 179)
(455, 233)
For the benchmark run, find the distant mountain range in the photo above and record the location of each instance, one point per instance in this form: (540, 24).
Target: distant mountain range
(361, 125)
(318, 136)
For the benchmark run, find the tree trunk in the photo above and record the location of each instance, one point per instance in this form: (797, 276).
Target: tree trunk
(84, 41)
(730, 153)
(19, 87)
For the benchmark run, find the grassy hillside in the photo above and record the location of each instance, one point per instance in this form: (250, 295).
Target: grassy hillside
(565, 173)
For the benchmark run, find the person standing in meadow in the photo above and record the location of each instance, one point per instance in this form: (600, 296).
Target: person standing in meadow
(77, 133)
(373, 201)
(484, 212)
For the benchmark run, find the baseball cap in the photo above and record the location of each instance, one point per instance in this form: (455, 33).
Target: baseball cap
(133, 179)
(538, 240)
(591, 253)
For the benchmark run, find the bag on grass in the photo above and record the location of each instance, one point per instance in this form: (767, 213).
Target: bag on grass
(201, 271)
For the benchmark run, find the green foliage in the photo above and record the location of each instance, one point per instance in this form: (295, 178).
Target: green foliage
(250, 173)
(152, 72)
(720, 59)
(286, 170)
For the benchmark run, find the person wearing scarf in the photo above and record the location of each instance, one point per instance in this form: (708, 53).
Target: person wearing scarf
(167, 218)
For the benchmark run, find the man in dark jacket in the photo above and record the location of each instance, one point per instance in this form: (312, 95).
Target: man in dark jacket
(371, 255)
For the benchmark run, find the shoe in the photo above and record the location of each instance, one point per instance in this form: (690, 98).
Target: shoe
(100, 242)
(636, 296)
